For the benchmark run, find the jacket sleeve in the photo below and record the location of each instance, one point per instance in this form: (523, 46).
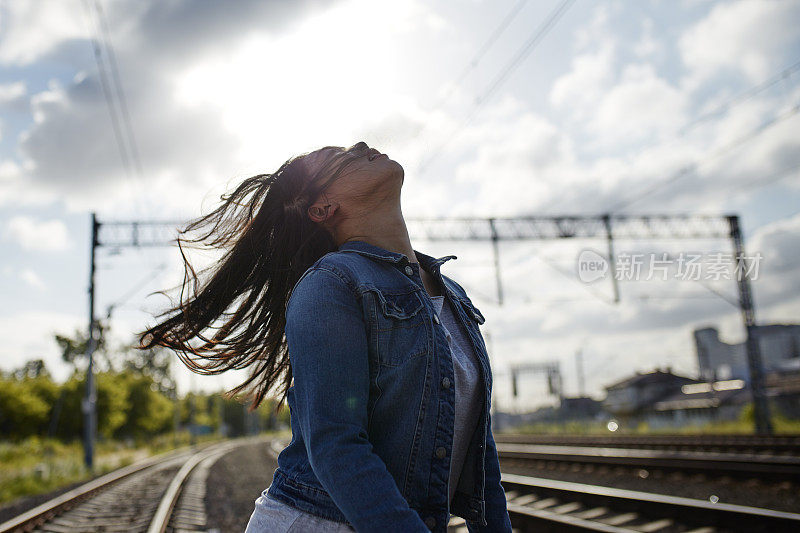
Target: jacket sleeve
(327, 341)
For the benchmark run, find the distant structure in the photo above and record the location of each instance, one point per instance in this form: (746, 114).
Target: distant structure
(633, 396)
(699, 404)
(580, 408)
(780, 351)
(577, 409)
(663, 399)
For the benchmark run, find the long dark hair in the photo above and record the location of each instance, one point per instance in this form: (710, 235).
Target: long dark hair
(269, 242)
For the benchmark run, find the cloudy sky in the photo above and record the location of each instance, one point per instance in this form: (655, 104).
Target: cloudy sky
(500, 108)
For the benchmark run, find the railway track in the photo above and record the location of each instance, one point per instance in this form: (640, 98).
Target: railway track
(746, 444)
(538, 505)
(760, 465)
(157, 495)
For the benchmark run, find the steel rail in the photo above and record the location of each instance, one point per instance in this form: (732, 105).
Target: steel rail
(60, 503)
(163, 513)
(775, 445)
(535, 504)
(735, 464)
(57, 506)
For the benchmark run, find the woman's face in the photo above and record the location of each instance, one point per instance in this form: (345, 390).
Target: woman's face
(367, 173)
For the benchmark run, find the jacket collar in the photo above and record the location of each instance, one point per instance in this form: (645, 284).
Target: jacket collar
(428, 262)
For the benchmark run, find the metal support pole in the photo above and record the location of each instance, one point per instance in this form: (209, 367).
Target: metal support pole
(90, 399)
(755, 365)
(612, 268)
(514, 382)
(496, 250)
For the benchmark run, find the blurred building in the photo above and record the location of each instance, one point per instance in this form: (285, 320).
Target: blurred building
(633, 396)
(783, 388)
(700, 403)
(578, 409)
(663, 399)
(780, 352)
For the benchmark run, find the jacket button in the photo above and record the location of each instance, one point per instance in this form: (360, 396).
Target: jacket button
(409, 270)
(430, 522)
(445, 383)
(441, 451)
(436, 319)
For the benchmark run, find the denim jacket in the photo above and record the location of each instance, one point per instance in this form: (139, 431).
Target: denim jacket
(372, 404)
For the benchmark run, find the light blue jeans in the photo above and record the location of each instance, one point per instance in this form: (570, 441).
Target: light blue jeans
(274, 516)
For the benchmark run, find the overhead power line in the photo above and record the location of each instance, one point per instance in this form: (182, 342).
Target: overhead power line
(122, 137)
(742, 97)
(784, 74)
(689, 169)
(123, 102)
(775, 177)
(541, 31)
(476, 59)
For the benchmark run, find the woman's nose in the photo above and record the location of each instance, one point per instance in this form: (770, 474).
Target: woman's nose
(360, 146)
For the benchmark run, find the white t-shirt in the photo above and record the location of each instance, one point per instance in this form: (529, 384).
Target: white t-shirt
(468, 388)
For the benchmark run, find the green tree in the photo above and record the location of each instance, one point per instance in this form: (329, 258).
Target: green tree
(148, 411)
(73, 349)
(154, 363)
(31, 369)
(112, 401)
(22, 412)
(27, 396)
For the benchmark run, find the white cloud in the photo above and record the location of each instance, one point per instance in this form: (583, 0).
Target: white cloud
(515, 163)
(584, 84)
(31, 335)
(31, 234)
(748, 37)
(11, 91)
(647, 45)
(216, 91)
(32, 29)
(13, 96)
(779, 270)
(640, 107)
(31, 278)
(598, 29)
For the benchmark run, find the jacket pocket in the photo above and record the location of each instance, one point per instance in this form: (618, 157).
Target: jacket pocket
(401, 329)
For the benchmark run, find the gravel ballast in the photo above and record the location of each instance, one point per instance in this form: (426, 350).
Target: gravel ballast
(234, 482)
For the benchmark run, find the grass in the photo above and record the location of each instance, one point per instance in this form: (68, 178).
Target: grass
(37, 465)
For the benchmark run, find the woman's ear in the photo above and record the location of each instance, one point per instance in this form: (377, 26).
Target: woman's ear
(322, 211)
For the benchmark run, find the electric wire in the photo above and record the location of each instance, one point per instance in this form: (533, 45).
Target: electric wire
(784, 75)
(105, 84)
(541, 31)
(691, 168)
(473, 63)
(123, 103)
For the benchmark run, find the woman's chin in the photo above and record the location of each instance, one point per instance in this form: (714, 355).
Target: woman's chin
(399, 168)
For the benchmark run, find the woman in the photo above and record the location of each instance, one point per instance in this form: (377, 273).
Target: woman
(391, 389)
